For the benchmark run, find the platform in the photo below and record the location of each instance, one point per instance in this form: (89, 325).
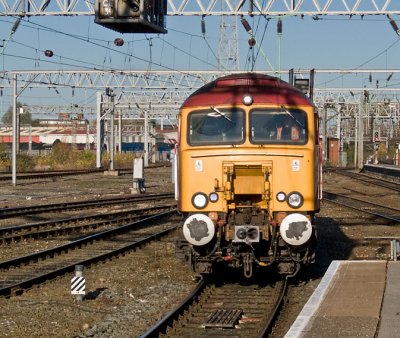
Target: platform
(353, 299)
(389, 170)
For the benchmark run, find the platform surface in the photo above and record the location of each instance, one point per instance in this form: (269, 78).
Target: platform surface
(354, 299)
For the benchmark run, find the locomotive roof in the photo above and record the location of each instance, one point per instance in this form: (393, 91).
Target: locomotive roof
(230, 89)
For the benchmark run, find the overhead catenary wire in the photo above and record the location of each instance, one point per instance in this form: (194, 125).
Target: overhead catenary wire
(203, 32)
(253, 41)
(128, 54)
(12, 31)
(84, 39)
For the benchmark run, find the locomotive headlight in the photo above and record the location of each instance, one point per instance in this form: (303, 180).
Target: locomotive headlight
(247, 100)
(281, 196)
(295, 200)
(213, 197)
(199, 200)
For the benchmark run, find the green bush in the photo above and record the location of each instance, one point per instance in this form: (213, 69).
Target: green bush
(64, 157)
(86, 160)
(5, 160)
(121, 160)
(25, 163)
(60, 156)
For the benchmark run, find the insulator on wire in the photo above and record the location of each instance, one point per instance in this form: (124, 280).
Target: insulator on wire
(366, 95)
(16, 25)
(252, 42)
(279, 26)
(246, 25)
(49, 53)
(203, 26)
(389, 77)
(119, 42)
(251, 7)
(394, 26)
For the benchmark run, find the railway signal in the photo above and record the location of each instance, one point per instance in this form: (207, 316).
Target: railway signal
(376, 137)
(132, 16)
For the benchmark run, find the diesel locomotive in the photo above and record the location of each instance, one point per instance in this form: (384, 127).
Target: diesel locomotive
(248, 168)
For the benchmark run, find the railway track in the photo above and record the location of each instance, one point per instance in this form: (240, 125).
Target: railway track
(51, 174)
(23, 272)
(80, 205)
(390, 214)
(29, 175)
(227, 310)
(73, 225)
(370, 180)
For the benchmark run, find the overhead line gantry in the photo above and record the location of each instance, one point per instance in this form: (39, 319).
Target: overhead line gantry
(207, 7)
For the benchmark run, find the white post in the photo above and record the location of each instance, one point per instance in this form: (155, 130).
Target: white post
(14, 132)
(99, 138)
(138, 176)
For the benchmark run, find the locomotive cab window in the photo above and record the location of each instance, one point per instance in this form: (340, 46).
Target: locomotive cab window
(216, 126)
(275, 126)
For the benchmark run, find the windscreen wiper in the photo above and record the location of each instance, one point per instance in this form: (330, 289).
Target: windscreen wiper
(219, 114)
(291, 115)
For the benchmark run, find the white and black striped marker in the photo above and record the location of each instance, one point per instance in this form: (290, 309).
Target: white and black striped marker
(78, 285)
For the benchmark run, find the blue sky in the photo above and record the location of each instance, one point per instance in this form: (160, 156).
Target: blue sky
(79, 43)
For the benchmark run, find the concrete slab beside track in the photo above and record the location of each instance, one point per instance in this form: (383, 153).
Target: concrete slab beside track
(354, 299)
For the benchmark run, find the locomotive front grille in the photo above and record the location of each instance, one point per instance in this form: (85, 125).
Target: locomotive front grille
(247, 178)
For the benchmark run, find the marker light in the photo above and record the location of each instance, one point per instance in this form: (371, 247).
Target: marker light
(281, 196)
(213, 197)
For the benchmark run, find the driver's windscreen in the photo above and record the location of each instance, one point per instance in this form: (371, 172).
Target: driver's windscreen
(216, 126)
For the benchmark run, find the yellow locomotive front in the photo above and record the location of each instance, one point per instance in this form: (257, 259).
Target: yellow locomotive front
(248, 164)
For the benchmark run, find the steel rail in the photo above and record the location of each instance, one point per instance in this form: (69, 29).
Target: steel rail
(161, 326)
(46, 229)
(369, 179)
(49, 174)
(25, 210)
(274, 314)
(331, 197)
(229, 309)
(15, 287)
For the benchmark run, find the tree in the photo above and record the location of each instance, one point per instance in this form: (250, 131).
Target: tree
(24, 118)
